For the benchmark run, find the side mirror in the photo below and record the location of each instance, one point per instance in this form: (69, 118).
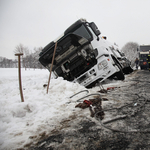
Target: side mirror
(94, 28)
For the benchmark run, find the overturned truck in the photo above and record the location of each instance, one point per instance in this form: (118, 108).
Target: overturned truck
(81, 57)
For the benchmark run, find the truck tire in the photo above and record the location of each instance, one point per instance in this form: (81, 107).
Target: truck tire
(119, 75)
(141, 67)
(130, 69)
(127, 70)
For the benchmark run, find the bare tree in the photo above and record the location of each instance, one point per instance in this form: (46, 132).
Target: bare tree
(30, 60)
(22, 49)
(37, 64)
(130, 50)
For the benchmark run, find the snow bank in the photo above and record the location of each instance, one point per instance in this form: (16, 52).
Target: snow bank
(21, 122)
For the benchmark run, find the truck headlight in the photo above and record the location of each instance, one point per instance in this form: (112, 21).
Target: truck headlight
(102, 64)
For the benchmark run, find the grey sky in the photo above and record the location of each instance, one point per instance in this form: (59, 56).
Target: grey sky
(35, 23)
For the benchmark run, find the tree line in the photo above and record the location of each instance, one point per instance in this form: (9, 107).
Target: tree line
(7, 63)
(28, 60)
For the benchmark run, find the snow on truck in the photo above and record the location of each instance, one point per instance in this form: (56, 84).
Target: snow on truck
(81, 56)
(114, 49)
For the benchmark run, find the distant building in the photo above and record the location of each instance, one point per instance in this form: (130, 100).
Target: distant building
(144, 48)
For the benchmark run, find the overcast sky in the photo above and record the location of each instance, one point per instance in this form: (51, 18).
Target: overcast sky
(35, 23)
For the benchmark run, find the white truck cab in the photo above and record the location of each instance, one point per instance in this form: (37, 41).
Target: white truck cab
(80, 56)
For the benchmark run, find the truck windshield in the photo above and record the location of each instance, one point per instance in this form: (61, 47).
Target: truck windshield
(83, 32)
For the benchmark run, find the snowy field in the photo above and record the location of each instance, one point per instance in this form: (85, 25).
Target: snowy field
(21, 123)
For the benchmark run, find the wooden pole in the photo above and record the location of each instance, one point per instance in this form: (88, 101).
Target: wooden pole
(51, 67)
(19, 74)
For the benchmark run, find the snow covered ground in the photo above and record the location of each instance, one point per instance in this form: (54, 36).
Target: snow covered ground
(21, 123)
(39, 113)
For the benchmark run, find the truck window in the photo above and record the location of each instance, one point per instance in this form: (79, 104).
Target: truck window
(83, 32)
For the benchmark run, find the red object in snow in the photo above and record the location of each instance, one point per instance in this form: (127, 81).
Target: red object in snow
(87, 102)
(110, 88)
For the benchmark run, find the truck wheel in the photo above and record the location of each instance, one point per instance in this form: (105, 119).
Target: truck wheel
(141, 67)
(127, 70)
(120, 75)
(130, 69)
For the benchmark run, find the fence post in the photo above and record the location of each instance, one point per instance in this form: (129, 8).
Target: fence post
(19, 74)
(51, 67)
